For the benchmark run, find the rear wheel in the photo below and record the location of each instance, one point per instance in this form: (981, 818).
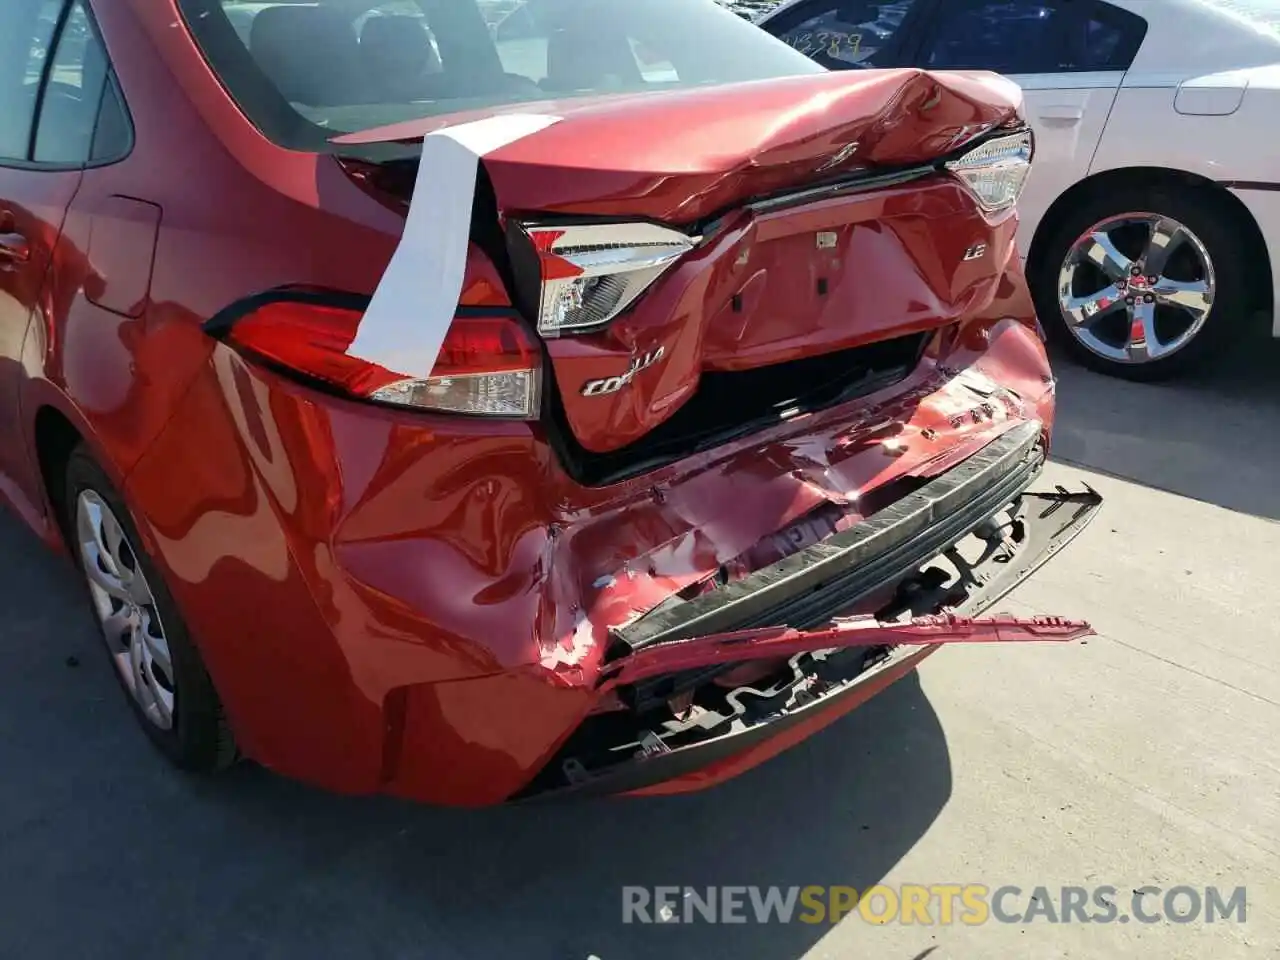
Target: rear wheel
(1146, 285)
(157, 665)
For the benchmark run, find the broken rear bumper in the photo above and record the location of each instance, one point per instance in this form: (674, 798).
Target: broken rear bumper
(789, 614)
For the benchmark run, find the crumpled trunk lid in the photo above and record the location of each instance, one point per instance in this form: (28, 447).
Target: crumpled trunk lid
(684, 156)
(781, 277)
(681, 156)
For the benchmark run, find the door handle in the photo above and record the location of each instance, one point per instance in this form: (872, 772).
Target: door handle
(14, 248)
(1063, 113)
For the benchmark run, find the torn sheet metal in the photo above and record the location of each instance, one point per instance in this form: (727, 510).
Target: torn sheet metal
(409, 315)
(767, 642)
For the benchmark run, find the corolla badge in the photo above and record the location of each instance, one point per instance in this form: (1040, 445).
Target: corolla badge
(607, 385)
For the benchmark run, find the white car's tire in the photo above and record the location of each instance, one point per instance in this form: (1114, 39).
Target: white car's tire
(1145, 284)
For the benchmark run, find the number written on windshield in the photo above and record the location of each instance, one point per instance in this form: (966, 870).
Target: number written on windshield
(841, 46)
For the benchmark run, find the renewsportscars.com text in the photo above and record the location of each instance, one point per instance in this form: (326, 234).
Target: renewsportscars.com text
(940, 903)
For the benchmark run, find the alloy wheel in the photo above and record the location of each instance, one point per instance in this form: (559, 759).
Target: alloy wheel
(126, 609)
(1136, 287)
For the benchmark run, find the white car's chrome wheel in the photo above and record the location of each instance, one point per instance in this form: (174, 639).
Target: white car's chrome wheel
(1136, 287)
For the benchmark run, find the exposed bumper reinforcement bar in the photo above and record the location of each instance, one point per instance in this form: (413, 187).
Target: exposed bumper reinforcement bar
(808, 588)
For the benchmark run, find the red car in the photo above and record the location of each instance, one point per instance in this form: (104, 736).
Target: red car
(470, 418)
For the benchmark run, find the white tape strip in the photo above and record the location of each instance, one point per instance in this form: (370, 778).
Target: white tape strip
(411, 310)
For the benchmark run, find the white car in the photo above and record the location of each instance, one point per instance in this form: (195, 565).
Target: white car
(1151, 221)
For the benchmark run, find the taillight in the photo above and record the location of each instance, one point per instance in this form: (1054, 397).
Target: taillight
(488, 366)
(592, 272)
(996, 170)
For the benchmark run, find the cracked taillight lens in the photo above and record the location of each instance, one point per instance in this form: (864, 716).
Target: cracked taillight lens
(996, 170)
(488, 365)
(591, 273)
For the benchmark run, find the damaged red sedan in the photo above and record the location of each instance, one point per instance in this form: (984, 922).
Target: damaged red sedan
(597, 400)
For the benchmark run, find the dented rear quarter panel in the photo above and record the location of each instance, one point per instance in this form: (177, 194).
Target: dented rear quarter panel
(403, 585)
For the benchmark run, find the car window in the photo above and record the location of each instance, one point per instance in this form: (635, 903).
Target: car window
(523, 39)
(306, 72)
(842, 33)
(1022, 36)
(113, 135)
(26, 32)
(1107, 38)
(1005, 37)
(402, 15)
(73, 93)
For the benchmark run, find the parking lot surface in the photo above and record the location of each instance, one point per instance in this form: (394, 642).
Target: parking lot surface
(1148, 755)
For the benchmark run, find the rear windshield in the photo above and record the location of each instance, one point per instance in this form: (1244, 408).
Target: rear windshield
(305, 71)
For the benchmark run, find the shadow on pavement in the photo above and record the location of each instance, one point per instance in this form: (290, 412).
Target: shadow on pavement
(104, 851)
(1211, 436)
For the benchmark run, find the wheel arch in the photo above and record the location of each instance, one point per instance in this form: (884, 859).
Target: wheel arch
(1122, 177)
(55, 437)
(56, 428)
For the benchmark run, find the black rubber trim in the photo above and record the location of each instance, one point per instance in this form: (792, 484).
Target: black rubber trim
(875, 181)
(808, 587)
(1044, 539)
(220, 324)
(1052, 522)
(1262, 185)
(46, 72)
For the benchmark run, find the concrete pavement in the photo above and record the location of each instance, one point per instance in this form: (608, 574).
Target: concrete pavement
(1147, 756)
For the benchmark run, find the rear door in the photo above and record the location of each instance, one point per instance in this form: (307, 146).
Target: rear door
(1069, 57)
(37, 185)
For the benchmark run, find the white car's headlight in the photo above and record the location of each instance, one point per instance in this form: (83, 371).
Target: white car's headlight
(996, 170)
(590, 273)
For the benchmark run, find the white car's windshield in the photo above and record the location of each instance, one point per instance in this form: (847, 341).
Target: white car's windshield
(305, 71)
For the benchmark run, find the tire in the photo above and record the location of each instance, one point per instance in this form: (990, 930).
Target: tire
(196, 736)
(1210, 233)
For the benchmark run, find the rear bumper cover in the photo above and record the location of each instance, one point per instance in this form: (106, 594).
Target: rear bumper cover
(792, 610)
